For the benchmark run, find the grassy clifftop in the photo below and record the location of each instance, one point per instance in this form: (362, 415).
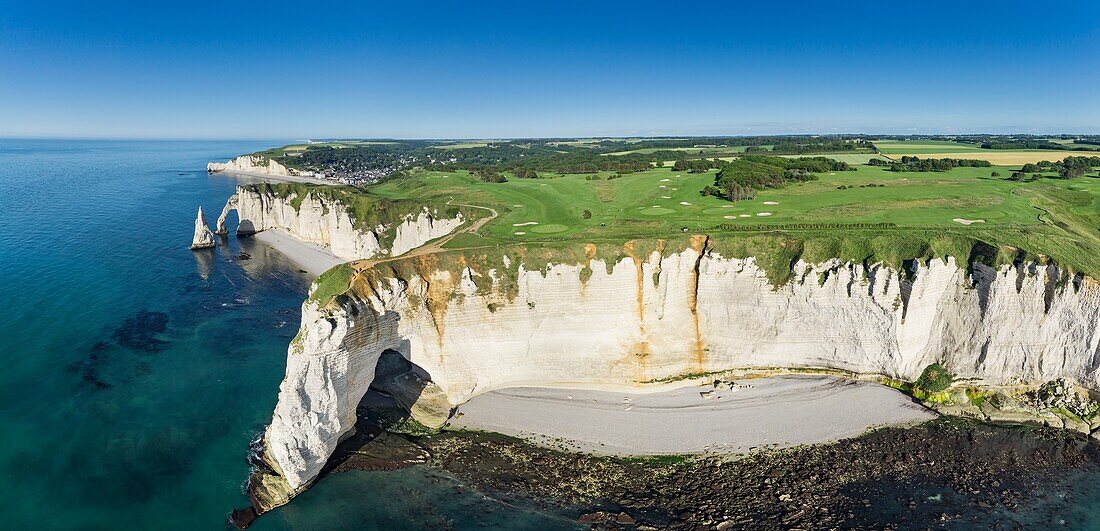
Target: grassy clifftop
(367, 210)
(775, 253)
(868, 214)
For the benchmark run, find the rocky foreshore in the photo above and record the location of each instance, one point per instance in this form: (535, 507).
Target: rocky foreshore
(950, 472)
(946, 472)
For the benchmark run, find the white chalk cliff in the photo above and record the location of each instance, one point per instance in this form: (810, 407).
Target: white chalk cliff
(230, 205)
(258, 165)
(328, 223)
(203, 238)
(659, 317)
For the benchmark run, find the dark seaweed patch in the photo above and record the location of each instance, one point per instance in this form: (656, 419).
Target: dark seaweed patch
(90, 366)
(139, 331)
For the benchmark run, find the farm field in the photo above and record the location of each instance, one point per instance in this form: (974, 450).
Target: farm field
(705, 151)
(919, 147)
(1009, 157)
(937, 149)
(1050, 216)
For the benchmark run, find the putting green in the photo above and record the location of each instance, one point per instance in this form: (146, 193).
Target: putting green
(549, 229)
(723, 211)
(656, 211)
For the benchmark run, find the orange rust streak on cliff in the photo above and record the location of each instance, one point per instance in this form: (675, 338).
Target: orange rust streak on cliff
(699, 245)
(640, 351)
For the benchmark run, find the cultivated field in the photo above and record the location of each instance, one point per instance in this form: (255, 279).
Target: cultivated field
(937, 149)
(919, 147)
(1009, 157)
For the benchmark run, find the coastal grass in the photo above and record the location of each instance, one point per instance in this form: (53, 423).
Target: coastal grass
(868, 214)
(331, 283)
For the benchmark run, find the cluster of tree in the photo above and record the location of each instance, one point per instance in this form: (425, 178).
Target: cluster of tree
(1020, 176)
(819, 145)
(741, 178)
(1021, 142)
(1068, 168)
(533, 159)
(1077, 166)
(694, 165)
(671, 143)
(908, 163)
(490, 176)
(526, 173)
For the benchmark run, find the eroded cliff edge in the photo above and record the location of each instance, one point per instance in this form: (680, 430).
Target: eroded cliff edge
(638, 312)
(259, 165)
(349, 224)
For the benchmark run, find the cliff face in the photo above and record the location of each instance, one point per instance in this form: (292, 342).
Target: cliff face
(639, 319)
(257, 165)
(317, 219)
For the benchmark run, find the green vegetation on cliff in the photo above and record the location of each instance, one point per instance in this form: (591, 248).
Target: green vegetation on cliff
(799, 208)
(867, 215)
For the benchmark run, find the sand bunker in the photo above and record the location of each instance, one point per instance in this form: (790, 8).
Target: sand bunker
(685, 203)
(771, 202)
(968, 221)
(727, 206)
(744, 216)
(520, 233)
(666, 197)
(662, 186)
(525, 223)
(763, 213)
(665, 180)
(730, 217)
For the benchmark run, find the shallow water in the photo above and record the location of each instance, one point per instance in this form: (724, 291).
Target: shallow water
(135, 371)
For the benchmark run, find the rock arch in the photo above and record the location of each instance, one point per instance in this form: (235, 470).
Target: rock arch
(230, 204)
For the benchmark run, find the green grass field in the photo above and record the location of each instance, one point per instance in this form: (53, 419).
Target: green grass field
(1051, 217)
(915, 147)
(704, 151)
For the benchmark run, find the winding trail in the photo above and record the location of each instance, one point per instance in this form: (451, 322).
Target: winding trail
(434, 246)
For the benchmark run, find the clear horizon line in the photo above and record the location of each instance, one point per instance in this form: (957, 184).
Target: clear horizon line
(527, 137)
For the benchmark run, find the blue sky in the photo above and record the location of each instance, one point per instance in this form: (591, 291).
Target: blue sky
(481, 69)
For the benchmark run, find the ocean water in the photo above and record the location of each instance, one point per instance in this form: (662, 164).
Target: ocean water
(134, 372)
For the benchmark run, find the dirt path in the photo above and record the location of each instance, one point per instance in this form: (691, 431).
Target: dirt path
(434, 246)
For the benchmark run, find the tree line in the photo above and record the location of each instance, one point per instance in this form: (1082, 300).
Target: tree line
(917, 164)
(741, 178)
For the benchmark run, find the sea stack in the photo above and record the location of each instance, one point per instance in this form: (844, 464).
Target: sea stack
(204, 239)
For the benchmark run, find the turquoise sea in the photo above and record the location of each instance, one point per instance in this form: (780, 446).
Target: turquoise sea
(135, 372)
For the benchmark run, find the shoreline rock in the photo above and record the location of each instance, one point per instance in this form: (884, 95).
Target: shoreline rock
(203, 239)
(951, 470)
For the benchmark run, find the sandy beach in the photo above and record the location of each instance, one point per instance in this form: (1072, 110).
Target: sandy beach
(775, 412)
(280, 178)
(310, 257)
